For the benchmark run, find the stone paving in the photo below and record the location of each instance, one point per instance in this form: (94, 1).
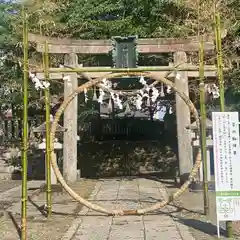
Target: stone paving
(127, 194)
(6, 185)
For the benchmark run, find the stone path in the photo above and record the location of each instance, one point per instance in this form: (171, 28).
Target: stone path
(12, 194)
(127, 194)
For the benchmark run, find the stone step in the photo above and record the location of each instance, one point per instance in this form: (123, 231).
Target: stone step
(5, 176)
(7, 169)
(2, 161)
(3, 165)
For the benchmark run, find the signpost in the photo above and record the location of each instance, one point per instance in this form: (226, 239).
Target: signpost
(227, 165)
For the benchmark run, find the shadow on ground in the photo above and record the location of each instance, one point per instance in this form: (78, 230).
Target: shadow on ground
(207, 228)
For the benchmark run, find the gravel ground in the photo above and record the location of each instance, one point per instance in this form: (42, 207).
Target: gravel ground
(190, 211)
(39, 227)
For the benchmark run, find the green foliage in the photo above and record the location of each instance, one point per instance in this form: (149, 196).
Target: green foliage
(102, 19)
(232, 46)
(6, 28)
(10, 70)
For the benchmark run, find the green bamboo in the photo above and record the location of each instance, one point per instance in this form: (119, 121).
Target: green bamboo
(203, 116)
(25, 127)
(47, 114)
(115, 70)
(221, 86)
(203, 126)
(220, 61)
(217, 45)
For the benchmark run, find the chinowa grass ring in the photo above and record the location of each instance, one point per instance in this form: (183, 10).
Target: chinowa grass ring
(95, 207)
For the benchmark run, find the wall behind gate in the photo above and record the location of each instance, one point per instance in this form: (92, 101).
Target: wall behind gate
(124, 158)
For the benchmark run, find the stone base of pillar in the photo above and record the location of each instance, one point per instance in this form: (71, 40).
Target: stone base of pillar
(56, 188)
(78, 174)
(199, 186)
(183, 178)
(53, 176)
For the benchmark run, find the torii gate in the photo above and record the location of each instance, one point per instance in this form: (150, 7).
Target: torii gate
(178, 47)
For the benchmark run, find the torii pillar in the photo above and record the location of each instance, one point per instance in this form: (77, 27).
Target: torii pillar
(70, 122)
(185, 157)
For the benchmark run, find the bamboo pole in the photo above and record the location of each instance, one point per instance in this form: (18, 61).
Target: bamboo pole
(126, 70)
(219, 61)
(47, 115)
(203, 116)
(25, 128)
(217, 29)
(203, 127)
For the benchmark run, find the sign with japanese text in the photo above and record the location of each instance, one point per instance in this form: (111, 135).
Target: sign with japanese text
(227, 165)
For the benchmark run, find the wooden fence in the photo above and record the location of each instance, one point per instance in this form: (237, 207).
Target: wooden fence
(120, 129)
(100, 130)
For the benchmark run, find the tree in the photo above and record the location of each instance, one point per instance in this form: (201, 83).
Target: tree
(11, 63)
(101, 19)
(106, 18)
(10, 70)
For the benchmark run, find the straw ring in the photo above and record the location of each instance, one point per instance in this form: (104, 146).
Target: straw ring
(121, 212)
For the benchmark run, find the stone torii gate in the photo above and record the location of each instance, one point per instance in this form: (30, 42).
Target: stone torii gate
(179, 47)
